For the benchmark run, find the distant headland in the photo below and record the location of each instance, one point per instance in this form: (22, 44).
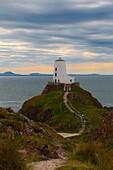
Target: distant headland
(9, 73)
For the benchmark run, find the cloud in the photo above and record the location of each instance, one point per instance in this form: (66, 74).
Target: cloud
(36, 32)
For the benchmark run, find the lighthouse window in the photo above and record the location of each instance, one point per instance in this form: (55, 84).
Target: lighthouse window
(70, 80)
(55, 74)
(55, 80)
(55, 69)
(58, 81)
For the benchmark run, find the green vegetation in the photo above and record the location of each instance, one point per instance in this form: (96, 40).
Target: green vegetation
(76, 165)
(92, 114)
(97, 153)
(84, 103)
(89, 156)
(37, 141)
(10, 157)
(49, 108)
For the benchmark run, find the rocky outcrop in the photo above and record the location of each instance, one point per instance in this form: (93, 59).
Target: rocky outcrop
(82, 96)
(51, 86)
(91, 101)
(39, 141)
(103, 132)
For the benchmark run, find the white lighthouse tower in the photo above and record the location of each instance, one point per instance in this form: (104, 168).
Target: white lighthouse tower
(59, 74)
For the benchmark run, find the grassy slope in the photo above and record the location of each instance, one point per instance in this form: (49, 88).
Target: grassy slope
(86, 104)
(49, 108)
(37, 140)
(104, 131)
(60, 118)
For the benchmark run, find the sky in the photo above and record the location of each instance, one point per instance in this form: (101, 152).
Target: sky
(34, 33)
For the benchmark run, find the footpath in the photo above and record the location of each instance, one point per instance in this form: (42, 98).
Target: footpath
(47, 165)
(72, 110)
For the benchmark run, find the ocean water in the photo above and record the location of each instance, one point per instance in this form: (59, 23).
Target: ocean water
(14, 91)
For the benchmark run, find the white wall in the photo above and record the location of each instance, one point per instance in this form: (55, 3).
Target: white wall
(61, 76)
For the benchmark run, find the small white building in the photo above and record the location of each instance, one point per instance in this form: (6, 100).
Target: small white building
(59, 73)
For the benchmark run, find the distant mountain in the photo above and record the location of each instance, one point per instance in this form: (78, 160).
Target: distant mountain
(9, 73)
(38, 74)
(85, 74)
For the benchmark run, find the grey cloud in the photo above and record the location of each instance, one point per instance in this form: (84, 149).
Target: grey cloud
(49, 26)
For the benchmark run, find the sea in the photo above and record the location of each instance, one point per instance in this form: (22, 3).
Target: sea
(14, 91)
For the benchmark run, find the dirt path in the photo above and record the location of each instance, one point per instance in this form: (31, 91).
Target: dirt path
(68, 135)
(47, 165)
(72, 109)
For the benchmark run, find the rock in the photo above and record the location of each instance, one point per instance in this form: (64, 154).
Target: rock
(44, 150)
(40, 135)
(81, 98)
(11, 133)
(9, 109)
(51, 86)
(103, 132)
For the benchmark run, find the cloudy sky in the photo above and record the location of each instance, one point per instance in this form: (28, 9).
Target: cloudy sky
(33, 33)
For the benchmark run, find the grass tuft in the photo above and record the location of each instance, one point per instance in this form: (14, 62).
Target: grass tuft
(87, 152)
(10, 158)
(105, 161)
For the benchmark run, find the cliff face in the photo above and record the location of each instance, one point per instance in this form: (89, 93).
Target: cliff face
(49, 107)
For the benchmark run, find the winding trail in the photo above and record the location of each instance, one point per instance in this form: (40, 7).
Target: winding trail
(47, 165)
(73, 110)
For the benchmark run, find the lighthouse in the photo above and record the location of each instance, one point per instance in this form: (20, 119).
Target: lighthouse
(59, 73)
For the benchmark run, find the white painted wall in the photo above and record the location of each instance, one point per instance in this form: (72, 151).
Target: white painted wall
(59, 72)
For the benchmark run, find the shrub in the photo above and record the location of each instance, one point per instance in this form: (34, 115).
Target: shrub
(105, 161)
(96, 154)
(87, 152)
(10, 158)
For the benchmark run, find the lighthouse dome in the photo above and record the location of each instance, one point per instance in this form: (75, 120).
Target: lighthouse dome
(60, 59)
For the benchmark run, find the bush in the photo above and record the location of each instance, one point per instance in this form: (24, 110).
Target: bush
(10, 158)
(105, 161)
(87, 152)
(97, 155)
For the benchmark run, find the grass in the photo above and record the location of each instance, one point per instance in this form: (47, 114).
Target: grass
(38, 140)
(92, 114)
(76, 165)
(10, 158)
(87, 152)
(89, 156)
(105, 161)
(59, 117)
(64, 119)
